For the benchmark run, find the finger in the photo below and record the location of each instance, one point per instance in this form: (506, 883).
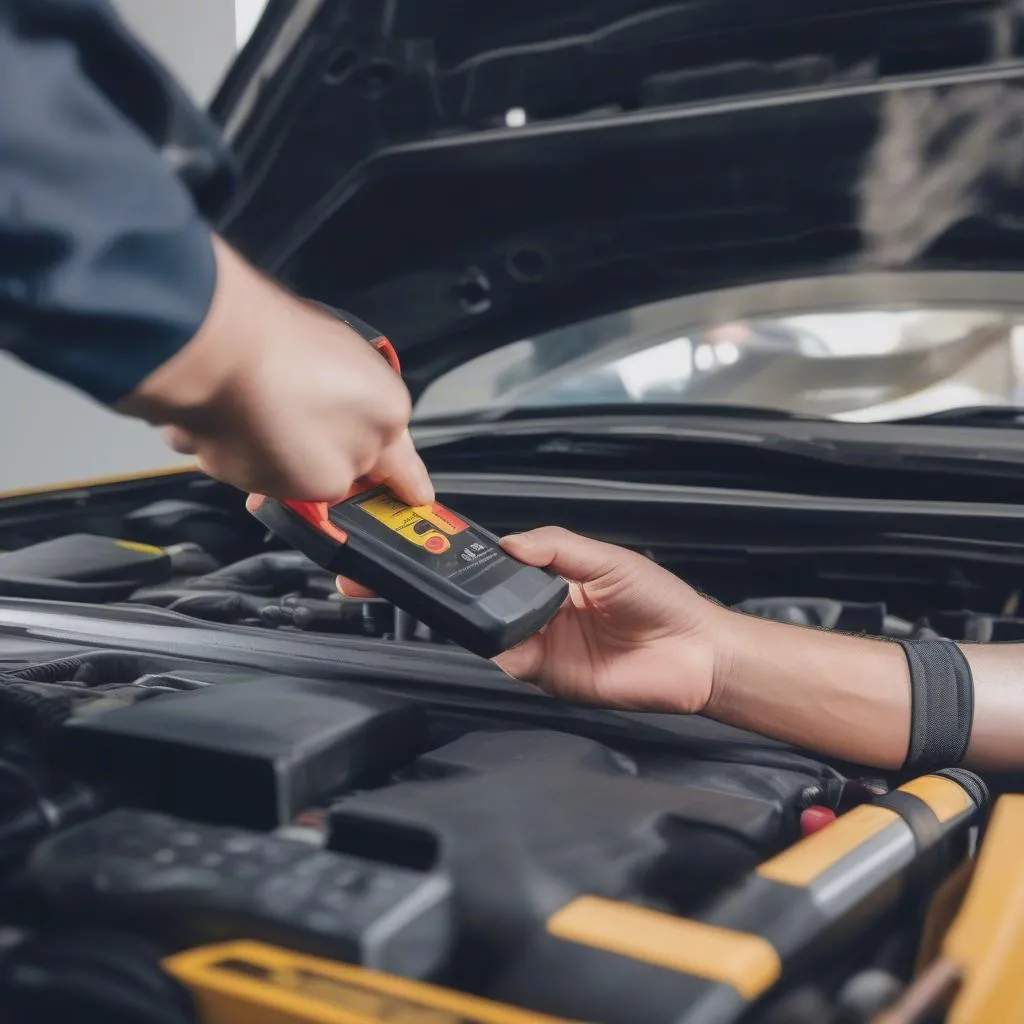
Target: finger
(524, 662)
(349, 588)
(231, 471)
(180, 440)
(402, 470)
(576, 558)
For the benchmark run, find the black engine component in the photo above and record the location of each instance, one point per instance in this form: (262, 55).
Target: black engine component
(553, 816)
(451, 861)
(252, 754)
(43, 816)
(809, 903)
(86, 558)
(82, 567)
(37, 699)
(976, 628)
(273, 572)
(187, 885)
(172, 521)
(90, 977)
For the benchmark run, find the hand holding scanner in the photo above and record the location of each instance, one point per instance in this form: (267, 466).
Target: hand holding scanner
(444, 570)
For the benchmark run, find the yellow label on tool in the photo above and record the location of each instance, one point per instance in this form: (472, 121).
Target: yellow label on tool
(427, 526)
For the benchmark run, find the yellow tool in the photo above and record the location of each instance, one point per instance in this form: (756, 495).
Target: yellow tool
(253, 983)
(980, 968)
(808, 903)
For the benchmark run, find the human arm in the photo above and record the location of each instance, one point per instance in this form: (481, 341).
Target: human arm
(849, 696)
(106, 264)
(112, 281)
(633, 636)
(277, 396)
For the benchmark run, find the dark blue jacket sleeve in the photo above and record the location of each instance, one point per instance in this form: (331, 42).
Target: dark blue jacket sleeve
(106, 265)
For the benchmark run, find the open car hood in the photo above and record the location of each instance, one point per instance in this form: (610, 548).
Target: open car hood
(655, 150)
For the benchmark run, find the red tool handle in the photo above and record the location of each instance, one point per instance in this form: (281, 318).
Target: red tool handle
(387, 350)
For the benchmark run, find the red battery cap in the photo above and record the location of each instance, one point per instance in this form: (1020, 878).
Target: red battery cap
(815, 818)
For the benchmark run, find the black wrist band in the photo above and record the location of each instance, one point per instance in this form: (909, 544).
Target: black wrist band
(942, 704)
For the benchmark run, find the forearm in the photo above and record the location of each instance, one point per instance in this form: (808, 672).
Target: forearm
(997, 736)
(850, 696)
(246, 309)
(845, 696)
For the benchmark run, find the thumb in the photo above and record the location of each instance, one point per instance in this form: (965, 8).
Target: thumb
(574, 557)
(524, 662)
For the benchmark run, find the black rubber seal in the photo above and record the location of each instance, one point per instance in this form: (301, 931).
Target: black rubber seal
(974, 785)
(942, 705)
(932, 859)
(921, 819)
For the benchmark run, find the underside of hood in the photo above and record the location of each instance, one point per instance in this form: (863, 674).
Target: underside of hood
(463, 175)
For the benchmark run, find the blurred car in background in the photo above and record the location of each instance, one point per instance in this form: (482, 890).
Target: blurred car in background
(869, 366)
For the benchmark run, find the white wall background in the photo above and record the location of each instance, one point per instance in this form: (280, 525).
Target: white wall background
(247, 13)
(49, 433)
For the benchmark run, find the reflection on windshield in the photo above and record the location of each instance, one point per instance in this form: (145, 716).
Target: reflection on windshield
(858, 366)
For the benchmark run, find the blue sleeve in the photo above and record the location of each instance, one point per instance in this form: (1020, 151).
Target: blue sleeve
(106, 264)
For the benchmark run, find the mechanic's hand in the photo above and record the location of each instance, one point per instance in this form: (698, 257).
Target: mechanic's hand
(276, 396)
(630, 635)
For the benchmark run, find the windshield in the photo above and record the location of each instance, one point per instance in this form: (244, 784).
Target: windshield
(866, 366)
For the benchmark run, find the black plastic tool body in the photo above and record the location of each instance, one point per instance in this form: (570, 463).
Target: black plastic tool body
(444, 570)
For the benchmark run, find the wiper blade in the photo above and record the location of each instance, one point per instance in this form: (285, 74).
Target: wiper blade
(973, 416)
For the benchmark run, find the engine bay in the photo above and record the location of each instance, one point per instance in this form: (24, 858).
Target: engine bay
(206, 749)
(191, 549)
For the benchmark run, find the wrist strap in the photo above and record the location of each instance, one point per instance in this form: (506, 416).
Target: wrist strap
(942, 704)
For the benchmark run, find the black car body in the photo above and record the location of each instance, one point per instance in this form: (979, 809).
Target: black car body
(201, 743)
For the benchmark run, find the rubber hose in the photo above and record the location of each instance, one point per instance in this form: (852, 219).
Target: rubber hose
(94, 668)
(90, 977)
(58, 671)
(164, 597)
(264, 574)
(27, 712)
(219, 606)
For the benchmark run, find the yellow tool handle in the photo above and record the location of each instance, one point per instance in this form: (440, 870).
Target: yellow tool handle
(254, 983)
(986, 941)
(980, 968)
